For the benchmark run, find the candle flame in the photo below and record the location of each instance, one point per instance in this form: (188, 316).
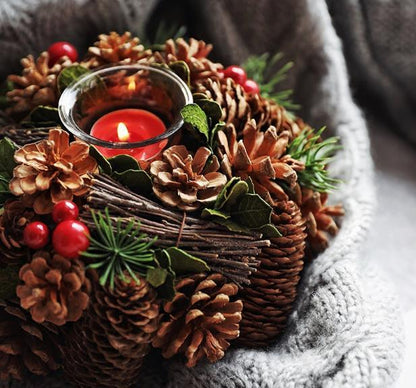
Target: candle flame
(122, 132)
(132, 85)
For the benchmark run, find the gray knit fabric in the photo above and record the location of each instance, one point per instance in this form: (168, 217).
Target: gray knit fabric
(346, 329)
(380, 45)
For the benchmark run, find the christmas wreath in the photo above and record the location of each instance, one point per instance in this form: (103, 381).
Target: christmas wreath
(103, 259)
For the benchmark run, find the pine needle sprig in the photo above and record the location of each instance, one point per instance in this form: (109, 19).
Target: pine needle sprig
(115, 249)
(261, 68)
(316, 153)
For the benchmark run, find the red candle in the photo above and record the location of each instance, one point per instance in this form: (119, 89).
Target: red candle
(129, 125)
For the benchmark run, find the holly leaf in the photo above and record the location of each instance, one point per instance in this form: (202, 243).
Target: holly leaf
(211, 108)
(181, 69)
(156, 276)
(251, 189)
(5, 193)
(196, 118)
(207, 213)
(138, 181)
(213, 135)
(123, 162)
(69, 75)
(230, 194)
(269, 231)
(252, 211)
(43, 116)
(7, 163)
(103, 164)
(183, 263)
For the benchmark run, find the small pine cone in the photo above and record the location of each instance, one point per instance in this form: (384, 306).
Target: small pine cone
(319, 220)
(52, 170)
(37, 85)
(55, 289)
(194, 53)
(185, 181)
(106, 348)
(114, 48)
(260, 156)
(12, 223)
(26, 347)
(231, 97)
(269, 299)
(201, 319)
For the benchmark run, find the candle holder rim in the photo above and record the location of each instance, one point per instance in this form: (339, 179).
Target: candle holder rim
(69, 121)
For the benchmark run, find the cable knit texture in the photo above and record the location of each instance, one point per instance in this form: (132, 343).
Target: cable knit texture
(346, 329)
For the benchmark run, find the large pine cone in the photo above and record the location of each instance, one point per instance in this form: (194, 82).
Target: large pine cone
(12, 223)
(240, 107)
(114, 48)
(186, 182)
(270, 296)
(25, 346)
(260, 156)
(52, 170)
(37, 85)
(201, 319)
(319, 220)
(107, 346)
(55, 289)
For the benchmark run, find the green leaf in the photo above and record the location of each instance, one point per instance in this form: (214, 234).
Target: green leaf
(123, 162)
(181, 69)
(103, 164)
(183, 262)
(231, 193)
(252, 211)
(5, 193)
(194, 116)
(43, 116)
(269, 231)
(212, 110)
(167, 289)
(251, 189)
(213, 135)
(156, 276)
(69, 75)
(7, 163)
(138, 181)
(206, 213)
(233, 226)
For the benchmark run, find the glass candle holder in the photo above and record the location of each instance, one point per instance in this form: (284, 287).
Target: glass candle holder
(131, 109)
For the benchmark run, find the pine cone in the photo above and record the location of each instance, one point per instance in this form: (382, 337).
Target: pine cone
(107, 346)
(260, 156)
(12, 223)
(54, 288)
(231, 97)
(269, 298)
(114, 48)
(186, 182)
(52, 170)
(201, 319)
(319, 220)
(194, 53)
(37, 84)
(25, 346)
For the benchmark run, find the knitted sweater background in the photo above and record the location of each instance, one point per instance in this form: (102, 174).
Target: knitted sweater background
(345, 329)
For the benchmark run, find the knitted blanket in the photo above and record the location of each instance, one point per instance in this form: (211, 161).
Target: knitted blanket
(345, 329)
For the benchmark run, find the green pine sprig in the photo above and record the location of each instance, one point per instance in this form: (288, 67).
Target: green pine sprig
(316, 153)
(261, 68)
(117, 250)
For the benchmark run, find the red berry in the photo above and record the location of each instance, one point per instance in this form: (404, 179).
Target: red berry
(60, 49)
(237, 73)
(70, 238)
(251, 86)
(64, 210)
(36, 235)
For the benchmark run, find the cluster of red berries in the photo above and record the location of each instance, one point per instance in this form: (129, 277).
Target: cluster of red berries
(70, 236)
(239, 75)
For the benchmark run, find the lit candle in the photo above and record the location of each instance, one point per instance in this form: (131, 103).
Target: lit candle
(129, 125)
